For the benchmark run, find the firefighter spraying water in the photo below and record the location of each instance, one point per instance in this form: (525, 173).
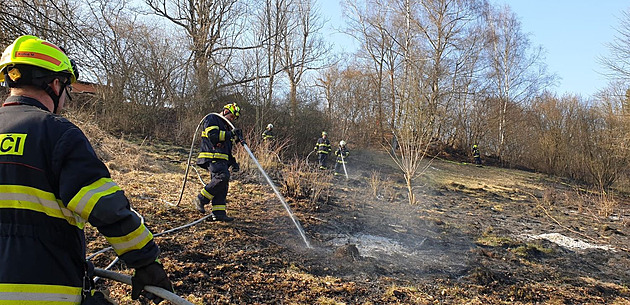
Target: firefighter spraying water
(217, 149)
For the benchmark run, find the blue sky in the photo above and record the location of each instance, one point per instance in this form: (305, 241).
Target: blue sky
(574, 33)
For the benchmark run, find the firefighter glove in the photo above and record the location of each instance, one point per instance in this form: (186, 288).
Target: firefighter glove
(152, 275)
(238, 134)
(235, 167)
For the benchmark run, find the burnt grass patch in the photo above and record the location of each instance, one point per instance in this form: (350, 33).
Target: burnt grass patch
(470, 239)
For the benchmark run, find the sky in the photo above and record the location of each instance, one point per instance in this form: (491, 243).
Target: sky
(573, 33)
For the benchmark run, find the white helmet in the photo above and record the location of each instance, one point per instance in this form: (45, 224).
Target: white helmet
(342, 143)
(269, 126)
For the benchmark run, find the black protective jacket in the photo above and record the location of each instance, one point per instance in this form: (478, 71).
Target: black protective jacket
(216, 141)
(323, 146)
(51, 183)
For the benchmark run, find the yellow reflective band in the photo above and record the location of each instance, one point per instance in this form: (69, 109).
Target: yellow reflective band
(205, 132)
(32, 294)
(221, 135)
(132, 241)
(209, 155)
(12, 143)
(205, 193)
(218, 207)
(30, 198)
(84, 201)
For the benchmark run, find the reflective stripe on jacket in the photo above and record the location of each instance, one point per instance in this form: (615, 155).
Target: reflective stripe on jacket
(51, 183)
(323, 146)
(342, 152)
(216, 141)
(267, 134)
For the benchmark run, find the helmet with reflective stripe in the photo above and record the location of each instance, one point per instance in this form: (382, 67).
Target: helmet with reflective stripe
(269, 126)
(33, 51)
(233, 108)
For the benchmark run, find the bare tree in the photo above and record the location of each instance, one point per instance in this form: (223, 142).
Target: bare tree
(303, 46)
(371, 23)
(516, 71)
(214, 29)
(53, 21)
(618, 64)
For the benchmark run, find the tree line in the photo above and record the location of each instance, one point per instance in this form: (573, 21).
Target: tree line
(458, 72)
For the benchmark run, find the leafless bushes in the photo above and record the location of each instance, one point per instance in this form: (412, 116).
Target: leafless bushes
(592, 203)
(302, 182)
(412, 148)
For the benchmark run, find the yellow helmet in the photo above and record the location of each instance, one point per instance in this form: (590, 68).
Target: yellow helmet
(233, 108)
(324, 133)
(30, 50)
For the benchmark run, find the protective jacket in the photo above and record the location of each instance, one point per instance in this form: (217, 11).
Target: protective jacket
(323, 146)
(216, 156)
(342, 154)
(51, 183)
(216, 141)
(267, 134)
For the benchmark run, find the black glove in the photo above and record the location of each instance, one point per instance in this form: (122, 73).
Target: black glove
(152, 275)
(237, 133)
(235, 167)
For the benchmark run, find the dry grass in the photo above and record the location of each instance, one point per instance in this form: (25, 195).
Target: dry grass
(302, 182)
(375, 182)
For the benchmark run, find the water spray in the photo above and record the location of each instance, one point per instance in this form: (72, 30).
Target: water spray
(273, 186)
(344, 164)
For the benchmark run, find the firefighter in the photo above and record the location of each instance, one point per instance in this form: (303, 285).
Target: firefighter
(216, 156)
(268, 133)
(51, 184)
(322, 147)
(342, 154)
(476, 155)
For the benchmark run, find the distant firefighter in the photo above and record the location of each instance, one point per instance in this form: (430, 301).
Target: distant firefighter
(476, 155)
(268, 133)
(322, 147)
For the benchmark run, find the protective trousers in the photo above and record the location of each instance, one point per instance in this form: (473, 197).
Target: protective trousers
(339, 166)
(322, 160)
(216, 190)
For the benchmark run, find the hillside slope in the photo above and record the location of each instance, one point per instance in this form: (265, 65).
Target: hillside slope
(476, 236)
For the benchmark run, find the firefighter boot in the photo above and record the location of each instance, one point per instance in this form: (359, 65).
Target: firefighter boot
(199, 205)
(221, 217)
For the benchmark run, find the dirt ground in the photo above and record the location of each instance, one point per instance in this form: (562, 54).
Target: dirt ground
(476, 235)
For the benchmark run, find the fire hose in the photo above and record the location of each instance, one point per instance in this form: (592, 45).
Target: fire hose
(344, 164)
(160, 292)
(273, 186)
(165, 294)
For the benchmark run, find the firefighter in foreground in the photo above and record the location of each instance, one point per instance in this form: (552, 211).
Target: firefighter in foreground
(51, 183)
(322, 147)
(342, 155)
(268, 133)
(216, 156)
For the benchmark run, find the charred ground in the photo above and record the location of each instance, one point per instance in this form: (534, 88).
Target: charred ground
(472, 238)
